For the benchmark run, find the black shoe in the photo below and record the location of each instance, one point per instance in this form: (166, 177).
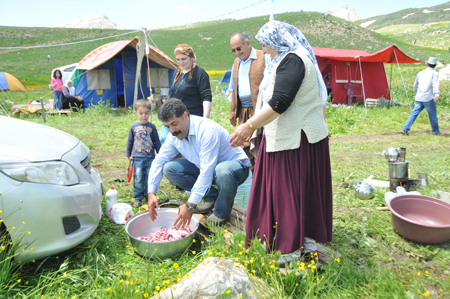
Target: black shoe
(137, 203)
(404, 133)
(441, 134)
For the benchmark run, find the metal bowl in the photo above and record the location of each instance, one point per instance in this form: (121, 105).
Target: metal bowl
(141, 225)
(420, 218)
(364, 191)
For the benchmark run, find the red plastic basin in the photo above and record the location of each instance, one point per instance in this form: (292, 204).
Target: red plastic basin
(420, 218)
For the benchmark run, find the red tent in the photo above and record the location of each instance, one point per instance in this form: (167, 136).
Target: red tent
(358, 75)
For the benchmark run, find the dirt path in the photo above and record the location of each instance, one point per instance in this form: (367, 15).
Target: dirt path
(381, 137)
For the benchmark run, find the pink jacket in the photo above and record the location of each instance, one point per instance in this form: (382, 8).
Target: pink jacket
(58, 82)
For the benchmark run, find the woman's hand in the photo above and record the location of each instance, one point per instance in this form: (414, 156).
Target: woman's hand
(241, 134)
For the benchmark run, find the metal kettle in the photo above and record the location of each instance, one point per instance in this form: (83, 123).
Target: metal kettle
(391, 154)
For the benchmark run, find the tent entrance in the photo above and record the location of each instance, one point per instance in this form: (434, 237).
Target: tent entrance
(120, 92)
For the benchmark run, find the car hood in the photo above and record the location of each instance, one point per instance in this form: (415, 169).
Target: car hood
(26, 140)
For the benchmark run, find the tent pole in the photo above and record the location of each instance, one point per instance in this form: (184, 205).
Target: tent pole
(140, 47)
(362, 80)
(390, 79)
(398, 65)
(354, 81)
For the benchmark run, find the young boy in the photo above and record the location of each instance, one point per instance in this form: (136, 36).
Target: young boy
(142, 142)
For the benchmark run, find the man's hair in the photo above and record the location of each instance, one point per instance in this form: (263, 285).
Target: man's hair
(170, 108)
(432, 65)
(142, 103)
(242, 35)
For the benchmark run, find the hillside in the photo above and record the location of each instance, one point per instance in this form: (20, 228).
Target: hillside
(425, 15)
(30, 65)
(434, 35)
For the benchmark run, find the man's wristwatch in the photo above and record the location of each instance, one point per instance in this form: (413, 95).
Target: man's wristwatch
(190, 208)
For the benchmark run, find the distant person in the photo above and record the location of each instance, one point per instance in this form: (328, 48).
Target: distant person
(69, 99)
(191, 83)
(57, 85)
(328, 85)
(48, 58)
(247, 74)
(414, 41)
(426, 87)
(101, 30)
(142, 142)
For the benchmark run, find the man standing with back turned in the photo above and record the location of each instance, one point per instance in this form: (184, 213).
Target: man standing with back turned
(426, 87)
(247, 72)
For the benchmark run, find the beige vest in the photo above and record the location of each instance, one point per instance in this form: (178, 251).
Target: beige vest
(305, 113)
(255, 75)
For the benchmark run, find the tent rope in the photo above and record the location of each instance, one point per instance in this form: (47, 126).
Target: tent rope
(65, 44)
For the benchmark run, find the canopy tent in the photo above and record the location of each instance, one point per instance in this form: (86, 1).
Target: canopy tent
(108, 73)
(358, 75)
(9, 82)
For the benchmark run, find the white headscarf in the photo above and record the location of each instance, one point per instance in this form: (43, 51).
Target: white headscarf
(284, 37)
(71, 89)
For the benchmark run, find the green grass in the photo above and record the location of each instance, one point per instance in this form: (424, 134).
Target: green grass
(376, 263)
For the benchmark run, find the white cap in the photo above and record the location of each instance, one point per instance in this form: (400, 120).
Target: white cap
(432, 60)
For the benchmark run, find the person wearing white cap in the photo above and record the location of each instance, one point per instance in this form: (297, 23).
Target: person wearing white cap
(426, 87)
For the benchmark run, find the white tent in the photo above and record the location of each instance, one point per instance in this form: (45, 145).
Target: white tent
(444, 73)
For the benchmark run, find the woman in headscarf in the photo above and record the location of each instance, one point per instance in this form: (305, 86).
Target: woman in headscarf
(191, 83)
(290, 205)
(70, 100)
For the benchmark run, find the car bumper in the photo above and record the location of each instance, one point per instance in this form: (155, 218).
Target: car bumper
(48, 219)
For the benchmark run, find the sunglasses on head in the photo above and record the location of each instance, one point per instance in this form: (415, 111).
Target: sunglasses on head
(237, 49)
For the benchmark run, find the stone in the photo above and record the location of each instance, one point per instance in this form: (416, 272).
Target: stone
(211, 275)
(207, 38)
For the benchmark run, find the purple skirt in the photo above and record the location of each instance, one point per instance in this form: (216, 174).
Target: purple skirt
(291, 196)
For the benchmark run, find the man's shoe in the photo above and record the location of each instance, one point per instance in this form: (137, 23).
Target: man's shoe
(217, 220)
(137, 203)
(441, 134)
(404, 133)
(204, 208)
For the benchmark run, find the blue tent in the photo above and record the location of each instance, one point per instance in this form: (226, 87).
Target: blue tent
(108, 74)
(226, 78)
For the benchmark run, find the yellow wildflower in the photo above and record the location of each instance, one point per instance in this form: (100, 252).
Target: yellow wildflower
(137, 291)
(121, 281)
(146, 295)
(127, 274)
(225, 230)
(338, 260)
(187, 275)
(108, 289)
(250, 292)
(418, 273)
(209, 251)
(194, 252)
(239, 295)
(18, 281)
(427, 294)
(23, 222)
(175, 265)
(272, 266)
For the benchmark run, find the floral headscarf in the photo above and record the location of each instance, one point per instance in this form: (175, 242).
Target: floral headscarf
(186, 50)
(284, 37)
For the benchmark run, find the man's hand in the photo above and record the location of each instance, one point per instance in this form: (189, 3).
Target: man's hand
(184, 217)
(436, 98)
(152, 204)
(233, 118)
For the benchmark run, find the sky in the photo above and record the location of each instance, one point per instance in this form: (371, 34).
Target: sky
(152, 14)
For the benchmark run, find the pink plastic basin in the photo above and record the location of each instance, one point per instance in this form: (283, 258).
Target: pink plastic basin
(420, 218)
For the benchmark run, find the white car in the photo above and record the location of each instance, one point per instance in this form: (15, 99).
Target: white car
(50, 195)
(66, 71)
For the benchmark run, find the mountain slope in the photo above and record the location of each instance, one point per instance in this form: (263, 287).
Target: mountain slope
(433, 14)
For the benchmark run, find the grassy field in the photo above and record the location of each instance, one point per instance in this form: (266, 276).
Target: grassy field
(376, 263)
